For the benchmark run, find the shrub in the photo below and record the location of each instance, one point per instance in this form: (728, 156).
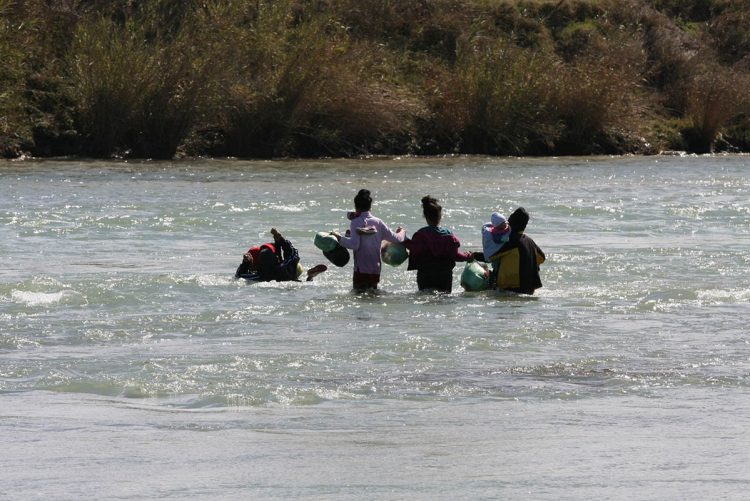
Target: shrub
(136, 89)
(559, 14)
(321, 95)
(346, 77)
(13, 130)
(500, 98)
(108, 66)
(580, 38)
(598, 96)
(669, 52)
(667, 134)
(689, 10)
(737, 134)
(517, 23)
(731, 31)
(715, 95)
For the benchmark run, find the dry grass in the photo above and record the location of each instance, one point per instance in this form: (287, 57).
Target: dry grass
(498, 99)
(715, 96)
(321, 95)
(136, 89)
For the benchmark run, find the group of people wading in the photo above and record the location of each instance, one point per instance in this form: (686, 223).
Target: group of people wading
(433, 251)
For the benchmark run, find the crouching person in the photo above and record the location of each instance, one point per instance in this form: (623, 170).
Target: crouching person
(277, 261)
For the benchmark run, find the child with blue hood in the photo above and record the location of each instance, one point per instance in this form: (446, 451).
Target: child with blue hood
(495, 234)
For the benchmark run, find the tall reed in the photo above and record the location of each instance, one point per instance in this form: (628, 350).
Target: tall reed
(138, 91)
(715, 95)
(499, 100)
(304, 88)
(12, 127)
(599, 96)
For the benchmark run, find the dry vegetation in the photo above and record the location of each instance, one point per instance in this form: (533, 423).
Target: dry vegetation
(273, 78)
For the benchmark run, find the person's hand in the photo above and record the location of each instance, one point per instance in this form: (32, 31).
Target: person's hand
(399, 229)
(348, 233)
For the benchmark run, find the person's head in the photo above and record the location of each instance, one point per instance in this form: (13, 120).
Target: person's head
(267, 264)
(250, 261)
(363, 201)
(432, 210)
(518, 220)
(499, 222)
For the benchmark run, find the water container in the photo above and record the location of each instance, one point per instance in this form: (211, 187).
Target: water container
(393, 254)
(338, 256)
(325, 241)
(475, 277)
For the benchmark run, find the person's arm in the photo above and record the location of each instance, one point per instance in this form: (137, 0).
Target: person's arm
(253, 275)
(540, 257)
(351, 241)
(408, 243)
(464, 256)
(245, 267)
(396, 237)
(286, 253)
(290, 253)
(461, 255)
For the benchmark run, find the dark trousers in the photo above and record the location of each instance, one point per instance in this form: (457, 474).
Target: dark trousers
(365, 281)
(437, 280)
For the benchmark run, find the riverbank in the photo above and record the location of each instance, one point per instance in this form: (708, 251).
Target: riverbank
(344, 78)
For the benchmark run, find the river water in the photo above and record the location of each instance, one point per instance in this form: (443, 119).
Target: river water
(132, 364)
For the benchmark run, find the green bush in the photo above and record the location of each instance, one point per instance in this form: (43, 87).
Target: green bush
(666, 133)
(737, 134)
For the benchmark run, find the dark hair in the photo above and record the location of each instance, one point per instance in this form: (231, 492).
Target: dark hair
(518, 220)
(363, 200)
(267, 264)
(431, 209)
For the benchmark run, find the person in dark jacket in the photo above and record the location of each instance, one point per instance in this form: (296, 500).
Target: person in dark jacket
(277, 261)
(517, 262)
(433, 251)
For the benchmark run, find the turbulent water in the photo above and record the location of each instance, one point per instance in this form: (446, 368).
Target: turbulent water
(132, 364)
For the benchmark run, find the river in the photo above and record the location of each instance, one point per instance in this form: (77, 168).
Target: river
(133, 365)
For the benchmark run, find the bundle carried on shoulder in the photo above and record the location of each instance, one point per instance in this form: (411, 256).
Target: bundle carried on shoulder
(332, 249)
(393, 254)
(475, 277)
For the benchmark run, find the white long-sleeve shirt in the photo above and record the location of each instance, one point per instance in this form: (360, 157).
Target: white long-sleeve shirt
(366, 234)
